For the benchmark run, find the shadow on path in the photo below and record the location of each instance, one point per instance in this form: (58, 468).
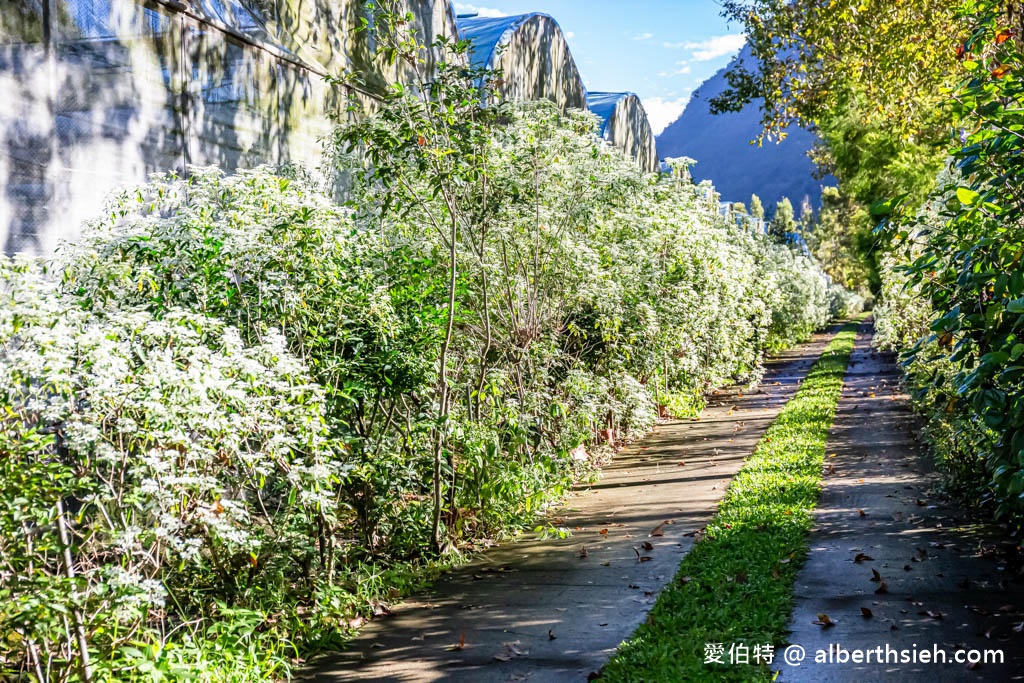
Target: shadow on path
(535, 609)
(948, 584)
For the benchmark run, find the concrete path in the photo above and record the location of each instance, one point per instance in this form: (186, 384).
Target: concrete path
(556, 610)
(947, 583)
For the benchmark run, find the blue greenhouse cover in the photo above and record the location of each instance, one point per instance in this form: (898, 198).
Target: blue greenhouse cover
(603, 104)
(487, 33)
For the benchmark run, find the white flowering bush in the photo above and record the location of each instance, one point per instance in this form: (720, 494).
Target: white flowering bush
(146, 461)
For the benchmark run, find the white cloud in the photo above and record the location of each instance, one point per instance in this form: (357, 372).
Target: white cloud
(683, 69)
(661, 111)
(486, 12)
(570, 35)
(716, 46)
(674, 46)
(643, 36)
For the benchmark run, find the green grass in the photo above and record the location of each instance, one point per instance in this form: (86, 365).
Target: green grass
(735, 586)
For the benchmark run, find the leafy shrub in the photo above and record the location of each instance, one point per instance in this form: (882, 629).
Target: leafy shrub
(957, 307)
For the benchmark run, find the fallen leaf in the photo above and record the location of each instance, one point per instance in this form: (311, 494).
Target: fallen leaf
(861, 557)
(551, 634)
(646, 558)
(862, 513)
(875, 576)
(461, 645)
(648, 546)
(882, 588)
(503, 658)
(659, 530)
(824, 620)
(583, 552)
(866, 613)
(930, 613)
(603, 532)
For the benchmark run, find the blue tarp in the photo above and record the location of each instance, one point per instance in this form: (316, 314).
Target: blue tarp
(603, 104)
(486, 34)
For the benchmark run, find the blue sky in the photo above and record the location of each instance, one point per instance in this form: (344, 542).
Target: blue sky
(659, 49)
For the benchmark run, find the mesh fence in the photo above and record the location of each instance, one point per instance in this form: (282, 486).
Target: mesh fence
(97, 94)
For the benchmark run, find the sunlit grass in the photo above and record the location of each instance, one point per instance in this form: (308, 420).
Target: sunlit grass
(735, 586)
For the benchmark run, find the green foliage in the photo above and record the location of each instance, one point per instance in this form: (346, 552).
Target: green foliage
(756, 208)
(966, 254)
(783, 221)
(759, 533)
(870, 79)
(841, 239)
(134, 450)
(812, 61)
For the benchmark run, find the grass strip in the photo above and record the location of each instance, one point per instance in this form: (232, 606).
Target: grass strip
(736, 584)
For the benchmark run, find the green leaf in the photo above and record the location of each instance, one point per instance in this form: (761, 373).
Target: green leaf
(967, 196)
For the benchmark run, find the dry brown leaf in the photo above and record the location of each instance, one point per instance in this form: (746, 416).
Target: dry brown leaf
(875, 576)
(461, 645)
(861, 557)
(648, 546)
(866, 613)
(824, 620)
(882, 588)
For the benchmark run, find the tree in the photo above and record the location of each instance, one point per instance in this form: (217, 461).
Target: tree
(756, 207)
(841, 250)
(807, 217)
(784, 221)
(813, 59)
(867, 76)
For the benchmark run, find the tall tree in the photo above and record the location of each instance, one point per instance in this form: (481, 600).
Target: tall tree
(756, 207)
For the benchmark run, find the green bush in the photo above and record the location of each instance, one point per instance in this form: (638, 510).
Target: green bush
(956, 305)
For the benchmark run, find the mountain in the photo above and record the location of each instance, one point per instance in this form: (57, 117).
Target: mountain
(721, 145)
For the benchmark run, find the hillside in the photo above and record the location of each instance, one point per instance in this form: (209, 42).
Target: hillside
(721, 146)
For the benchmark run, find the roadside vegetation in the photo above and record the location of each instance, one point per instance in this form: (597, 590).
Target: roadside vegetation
(244, 413)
